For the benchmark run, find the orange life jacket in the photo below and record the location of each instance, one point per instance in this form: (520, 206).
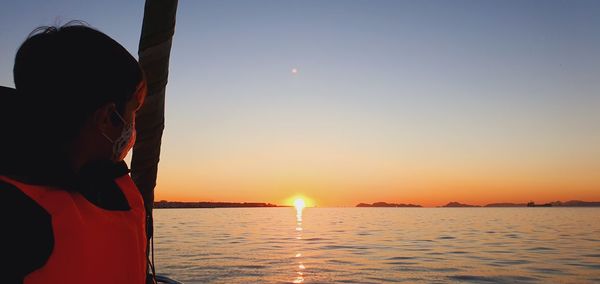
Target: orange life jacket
(91, 244)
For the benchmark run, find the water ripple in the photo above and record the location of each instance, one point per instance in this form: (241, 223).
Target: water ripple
(493, 279)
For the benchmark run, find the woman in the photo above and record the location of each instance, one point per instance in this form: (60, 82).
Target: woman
(71, 212)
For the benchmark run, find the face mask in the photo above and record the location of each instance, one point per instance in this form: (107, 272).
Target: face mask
(124, 142)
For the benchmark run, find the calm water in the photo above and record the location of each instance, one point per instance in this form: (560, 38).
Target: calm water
(374, 245)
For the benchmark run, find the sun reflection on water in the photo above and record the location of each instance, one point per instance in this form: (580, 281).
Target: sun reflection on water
(299, 205)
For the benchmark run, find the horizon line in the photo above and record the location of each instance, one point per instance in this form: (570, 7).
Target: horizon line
(406, 205)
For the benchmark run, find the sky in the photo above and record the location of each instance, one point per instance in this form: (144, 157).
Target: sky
(420, 102)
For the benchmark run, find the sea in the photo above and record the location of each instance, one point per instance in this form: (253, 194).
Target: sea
(378, 245)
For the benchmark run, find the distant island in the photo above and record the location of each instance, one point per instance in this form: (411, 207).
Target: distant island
(577, 203)
(457, 204)
(571, 203)
(178, 204)
(385, 204)
(506, 204)
(454, 204)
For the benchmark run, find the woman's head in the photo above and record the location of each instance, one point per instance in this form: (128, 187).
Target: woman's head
(74, 81)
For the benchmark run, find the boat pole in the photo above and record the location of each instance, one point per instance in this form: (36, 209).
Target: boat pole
(158, 28)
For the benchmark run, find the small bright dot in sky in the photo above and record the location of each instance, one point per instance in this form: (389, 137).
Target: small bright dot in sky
(294, 71)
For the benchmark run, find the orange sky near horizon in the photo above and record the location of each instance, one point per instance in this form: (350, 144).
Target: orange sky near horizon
(341, 178)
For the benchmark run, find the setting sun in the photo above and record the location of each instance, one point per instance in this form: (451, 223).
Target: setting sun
(299, 203)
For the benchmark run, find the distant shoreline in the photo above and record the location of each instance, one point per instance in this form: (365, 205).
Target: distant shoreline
(178, 204)
(571, 203)
(385, 204)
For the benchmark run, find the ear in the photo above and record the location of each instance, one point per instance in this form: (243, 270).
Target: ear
(102, 117)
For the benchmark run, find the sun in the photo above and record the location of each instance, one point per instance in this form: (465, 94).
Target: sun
(299, 203)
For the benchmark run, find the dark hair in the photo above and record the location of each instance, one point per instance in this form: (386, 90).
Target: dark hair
(73, 70)
(62, 75)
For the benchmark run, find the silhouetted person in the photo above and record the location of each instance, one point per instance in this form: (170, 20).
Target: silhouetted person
(70, 212)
